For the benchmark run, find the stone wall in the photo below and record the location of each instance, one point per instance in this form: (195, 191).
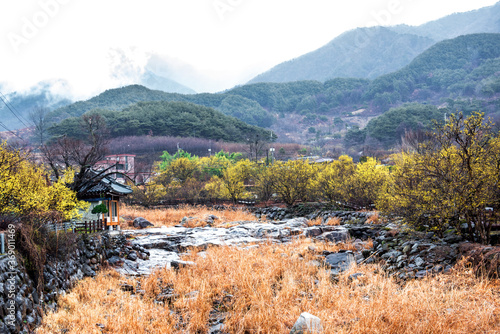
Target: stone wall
(21, 305)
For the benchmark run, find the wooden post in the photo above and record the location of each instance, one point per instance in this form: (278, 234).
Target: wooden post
(105, 224)
(86, 231)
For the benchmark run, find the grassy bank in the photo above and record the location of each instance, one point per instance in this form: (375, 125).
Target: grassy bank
(172, 216)
(264, 290)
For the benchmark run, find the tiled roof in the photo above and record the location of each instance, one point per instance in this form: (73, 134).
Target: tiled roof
(103, 188)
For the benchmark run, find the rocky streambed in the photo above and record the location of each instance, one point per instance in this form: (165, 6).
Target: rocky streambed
(402, 252)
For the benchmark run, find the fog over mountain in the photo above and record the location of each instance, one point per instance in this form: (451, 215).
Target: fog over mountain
(359, 53)
(370, 52)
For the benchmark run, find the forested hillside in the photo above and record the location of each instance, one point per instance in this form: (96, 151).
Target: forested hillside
(371, 52)
(22, 104)
(162, 118)
(466, 66)
(360, 53)
(458, 74)
(119, 98)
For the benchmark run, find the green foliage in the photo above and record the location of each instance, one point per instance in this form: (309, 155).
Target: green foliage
(235, 156)
(166, 119)
(389, 127)
(121, 98)
(453, 65)
(247, 110)
(100, 208)
(167, 158)
(354, 136)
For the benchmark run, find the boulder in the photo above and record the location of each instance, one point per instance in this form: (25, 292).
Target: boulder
(132, 256)
(340, 261)
(140, 222)
(307, 323)
(313, 231)
(176, 264)
(340, 234)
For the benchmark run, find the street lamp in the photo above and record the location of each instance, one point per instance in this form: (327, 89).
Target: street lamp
(272, 154)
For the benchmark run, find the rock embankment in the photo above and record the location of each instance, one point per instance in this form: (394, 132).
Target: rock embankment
(22, 304)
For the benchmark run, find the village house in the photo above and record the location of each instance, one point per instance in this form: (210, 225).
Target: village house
(123, 169)
(108, 192)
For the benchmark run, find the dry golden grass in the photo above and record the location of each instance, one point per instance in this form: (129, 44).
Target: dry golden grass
(374, 219)
(172, 216)
(100, 301)
(314, 222)
(264, 290)
(334, 221)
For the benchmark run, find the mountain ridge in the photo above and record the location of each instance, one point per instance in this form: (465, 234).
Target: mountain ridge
(371, 52)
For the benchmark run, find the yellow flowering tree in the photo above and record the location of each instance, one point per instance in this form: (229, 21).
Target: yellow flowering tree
(292, 180)
(365, 185)
(232, 183)
(331, 180)
(26, 188)
(451, 177)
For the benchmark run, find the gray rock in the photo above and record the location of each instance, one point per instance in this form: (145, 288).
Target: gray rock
(355, 276)
(340, 234)
(340, 261)
(423, 273)
(132, 256)
(419, 262)
(176, 264)
(87, 271)
(217, 329)
(114, 260)
(140, 222)
(401, 258)
(391, 256)
(307, 323)
(312, 231)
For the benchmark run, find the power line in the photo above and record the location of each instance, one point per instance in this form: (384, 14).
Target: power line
(10, 131)
(11, 108)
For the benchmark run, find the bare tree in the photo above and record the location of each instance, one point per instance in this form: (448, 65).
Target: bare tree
(257, 145)
(80, 154)
(39, 118)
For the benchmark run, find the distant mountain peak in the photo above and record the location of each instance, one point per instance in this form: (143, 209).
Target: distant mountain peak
(157, 82)
(371, 52)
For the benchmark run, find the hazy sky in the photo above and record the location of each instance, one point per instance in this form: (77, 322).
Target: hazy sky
(96, 45)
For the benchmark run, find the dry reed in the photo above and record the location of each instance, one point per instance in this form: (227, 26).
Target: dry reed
(173, 216)
(264, 290)
(332, 221)
(374, 219)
